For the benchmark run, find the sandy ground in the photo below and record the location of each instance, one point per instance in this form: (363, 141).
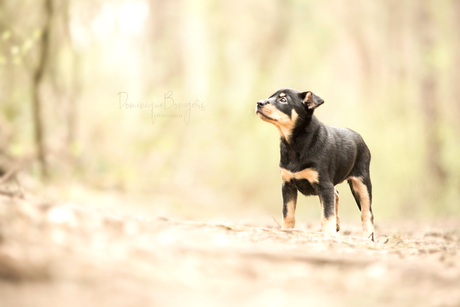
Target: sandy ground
(66, 255)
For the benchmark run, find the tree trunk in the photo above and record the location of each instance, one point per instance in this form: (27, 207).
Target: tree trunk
(430, 104)
(36, 100)
(72, 88)
(456, 54)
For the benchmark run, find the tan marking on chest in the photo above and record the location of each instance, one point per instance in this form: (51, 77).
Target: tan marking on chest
(309, 174)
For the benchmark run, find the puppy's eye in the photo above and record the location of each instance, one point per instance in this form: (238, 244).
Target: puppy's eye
(283, 100)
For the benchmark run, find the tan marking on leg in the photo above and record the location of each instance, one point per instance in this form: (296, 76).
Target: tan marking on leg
(367, 218)
(337, 209)
(309, 174)
(328, 225)
(289, 220)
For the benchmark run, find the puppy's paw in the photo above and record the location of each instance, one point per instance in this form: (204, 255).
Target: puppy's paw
(329, 226)
(288, 224)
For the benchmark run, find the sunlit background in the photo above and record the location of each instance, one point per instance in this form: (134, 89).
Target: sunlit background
(91, 77)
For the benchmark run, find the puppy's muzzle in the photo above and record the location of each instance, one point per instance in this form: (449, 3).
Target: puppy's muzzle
(261, 103)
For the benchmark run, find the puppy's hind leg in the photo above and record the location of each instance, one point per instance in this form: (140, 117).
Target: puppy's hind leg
(362, 191)
(336, 192)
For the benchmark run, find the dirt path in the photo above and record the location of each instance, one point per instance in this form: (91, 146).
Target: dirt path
(63, 255)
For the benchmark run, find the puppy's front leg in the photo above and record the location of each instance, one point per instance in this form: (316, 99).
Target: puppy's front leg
(328, 213)
(289, 204)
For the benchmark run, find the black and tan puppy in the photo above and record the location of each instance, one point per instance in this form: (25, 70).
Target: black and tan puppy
(316, 157)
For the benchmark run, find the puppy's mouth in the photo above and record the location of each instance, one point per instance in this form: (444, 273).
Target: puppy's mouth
(263, 116)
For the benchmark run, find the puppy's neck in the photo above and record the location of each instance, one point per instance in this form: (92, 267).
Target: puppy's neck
(287, 125)
(304, 127)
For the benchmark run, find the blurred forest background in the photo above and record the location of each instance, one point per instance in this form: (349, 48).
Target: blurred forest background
(82, 83)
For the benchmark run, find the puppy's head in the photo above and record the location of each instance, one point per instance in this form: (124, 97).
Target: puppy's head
(288, 108)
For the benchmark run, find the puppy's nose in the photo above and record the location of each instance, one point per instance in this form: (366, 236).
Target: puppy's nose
(261, 103)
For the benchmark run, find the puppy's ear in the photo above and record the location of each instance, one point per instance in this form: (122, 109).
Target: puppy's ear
(311, 101)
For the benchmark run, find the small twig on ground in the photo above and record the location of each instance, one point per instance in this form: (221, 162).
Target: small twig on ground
(382, 239)
(9, 174)
(18, 193)
(276, 221)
